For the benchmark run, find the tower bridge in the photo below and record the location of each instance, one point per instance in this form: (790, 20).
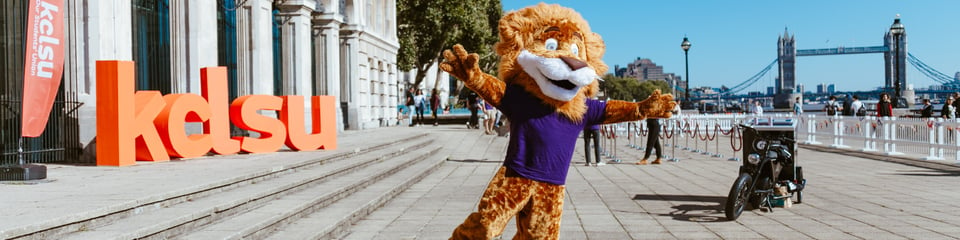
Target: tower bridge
(894, 53)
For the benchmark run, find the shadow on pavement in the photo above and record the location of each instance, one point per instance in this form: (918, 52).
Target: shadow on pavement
(930, 173)
(474, 160)
(690, 212)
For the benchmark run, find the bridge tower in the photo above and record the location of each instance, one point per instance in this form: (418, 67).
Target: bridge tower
(896, 64)
(785, 93)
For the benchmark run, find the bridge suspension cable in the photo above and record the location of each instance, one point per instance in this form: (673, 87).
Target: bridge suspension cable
(750, 81)
(932, 73)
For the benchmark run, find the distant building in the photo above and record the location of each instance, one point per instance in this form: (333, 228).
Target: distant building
(831, 89)
(821, 88)
(771, 90)
(642, 69)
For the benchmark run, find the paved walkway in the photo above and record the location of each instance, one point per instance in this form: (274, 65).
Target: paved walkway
(847, 197)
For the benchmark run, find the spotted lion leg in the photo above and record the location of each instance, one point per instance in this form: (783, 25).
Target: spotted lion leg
(502, 200)
(540, 218)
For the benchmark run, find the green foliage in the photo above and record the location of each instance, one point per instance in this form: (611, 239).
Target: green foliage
(426, 27)
(630, 89)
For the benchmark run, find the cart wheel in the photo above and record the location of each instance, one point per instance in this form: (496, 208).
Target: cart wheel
(737, 199)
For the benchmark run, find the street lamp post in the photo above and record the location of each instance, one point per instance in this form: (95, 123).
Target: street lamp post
(896, 29)
(685, 45)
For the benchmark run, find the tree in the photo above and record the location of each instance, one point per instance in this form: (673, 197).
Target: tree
(427, 27)
(630, 89)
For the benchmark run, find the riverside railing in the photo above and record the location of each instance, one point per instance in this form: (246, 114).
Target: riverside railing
(918, 138)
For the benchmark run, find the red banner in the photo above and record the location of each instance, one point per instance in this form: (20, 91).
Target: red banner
(43, 65)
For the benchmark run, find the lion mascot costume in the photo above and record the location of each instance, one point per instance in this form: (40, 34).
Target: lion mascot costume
(549, 66)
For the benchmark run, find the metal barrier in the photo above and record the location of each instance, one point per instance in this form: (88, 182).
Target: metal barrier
(920, 138)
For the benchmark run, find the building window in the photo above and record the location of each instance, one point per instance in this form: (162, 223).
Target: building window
(277, 54)
(151, 44)
(227, 43)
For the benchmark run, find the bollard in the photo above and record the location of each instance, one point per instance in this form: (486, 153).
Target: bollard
(932, 140)
(716, 140)
(869, 142)
(673, 150)
(686, 137)
(940, 138)
(735, 132)
(893, 136)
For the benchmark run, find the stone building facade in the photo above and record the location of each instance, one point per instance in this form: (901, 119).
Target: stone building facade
(343, 48)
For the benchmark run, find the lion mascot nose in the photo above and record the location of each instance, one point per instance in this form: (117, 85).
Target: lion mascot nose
(573, 63)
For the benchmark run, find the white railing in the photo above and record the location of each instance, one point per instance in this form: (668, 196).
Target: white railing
(919, 138)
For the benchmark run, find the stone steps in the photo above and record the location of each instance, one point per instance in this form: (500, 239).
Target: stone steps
(185, 211)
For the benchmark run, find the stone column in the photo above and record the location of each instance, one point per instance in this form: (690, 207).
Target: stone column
(254, 48)
(193, 25)
(108, 35)
(296, 30)
(327, 58)
(350, 45)
(295, 20)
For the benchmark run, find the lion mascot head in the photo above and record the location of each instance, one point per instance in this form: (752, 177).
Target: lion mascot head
(551, 52)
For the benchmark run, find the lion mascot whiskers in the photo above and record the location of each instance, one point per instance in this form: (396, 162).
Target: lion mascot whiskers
(549, 66)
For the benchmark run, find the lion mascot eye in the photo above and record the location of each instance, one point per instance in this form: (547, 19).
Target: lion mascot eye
(551, 44)
(574, 49)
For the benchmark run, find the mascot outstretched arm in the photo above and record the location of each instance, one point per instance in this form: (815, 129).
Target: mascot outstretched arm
(549, 66)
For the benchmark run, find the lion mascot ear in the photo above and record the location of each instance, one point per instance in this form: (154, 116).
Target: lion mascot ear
(595, 50)
(511, 43)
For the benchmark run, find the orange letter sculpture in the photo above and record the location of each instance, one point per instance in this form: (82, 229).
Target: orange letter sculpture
(292, 117)
(114, 121)
(149, 144)
(145, 125)
(183, 108)
(214, 85)
(243, 113)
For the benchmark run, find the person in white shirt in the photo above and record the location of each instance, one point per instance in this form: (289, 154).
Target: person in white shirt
(857, 107)
(757, 109)
(420, 103)
(798, 107)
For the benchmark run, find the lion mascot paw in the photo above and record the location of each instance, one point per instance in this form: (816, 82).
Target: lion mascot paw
(549, 66)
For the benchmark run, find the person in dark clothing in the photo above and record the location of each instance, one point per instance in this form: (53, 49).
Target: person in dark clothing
(435, 106)
(884, 107)
(653, 141)
(592, 133)
(927, 110)
(948, 111)
(847, 104)
(956, 104)
(472, 105)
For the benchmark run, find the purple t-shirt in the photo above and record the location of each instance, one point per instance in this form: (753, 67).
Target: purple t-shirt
(541, 140)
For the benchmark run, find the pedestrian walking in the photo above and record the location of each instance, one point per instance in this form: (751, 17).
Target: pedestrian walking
(956, 104)
(435, 106)
(927, 110)
(884, 107)
(832, 107)
(409, 104)
(653, 141)
(421, 104)
(857, 107)
(592, 133)
(490, 118)
(472, 100)
(797, 107)
(757, 109)
(948, 111)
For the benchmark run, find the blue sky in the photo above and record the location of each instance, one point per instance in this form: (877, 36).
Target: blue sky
(733, 40)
